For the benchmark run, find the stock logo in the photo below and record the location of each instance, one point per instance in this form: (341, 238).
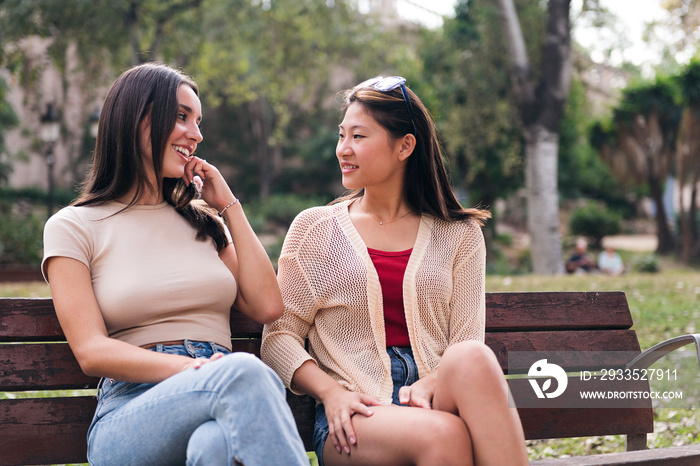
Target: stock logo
(543, 370)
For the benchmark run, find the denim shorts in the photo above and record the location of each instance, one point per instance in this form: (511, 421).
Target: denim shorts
(403, 372)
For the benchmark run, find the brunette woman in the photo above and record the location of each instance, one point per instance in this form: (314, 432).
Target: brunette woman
(143, 280)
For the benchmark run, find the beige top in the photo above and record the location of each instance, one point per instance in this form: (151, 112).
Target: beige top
(152, 279)
(332, 295)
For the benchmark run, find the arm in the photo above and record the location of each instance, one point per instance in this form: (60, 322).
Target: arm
(82, 323)
(283, 341)
(468, 300)
(258, 294)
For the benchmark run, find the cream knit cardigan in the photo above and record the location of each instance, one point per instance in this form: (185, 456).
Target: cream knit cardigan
(332, 296)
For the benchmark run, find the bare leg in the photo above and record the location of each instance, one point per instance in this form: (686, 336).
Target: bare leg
(471, 385)
(396, 435)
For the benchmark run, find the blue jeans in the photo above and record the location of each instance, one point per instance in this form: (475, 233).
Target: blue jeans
(403, 372)
(226, 412)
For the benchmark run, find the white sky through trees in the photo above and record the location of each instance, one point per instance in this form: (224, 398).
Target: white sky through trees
(632, 16)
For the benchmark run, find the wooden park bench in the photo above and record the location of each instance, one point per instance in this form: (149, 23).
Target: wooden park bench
(40, 430)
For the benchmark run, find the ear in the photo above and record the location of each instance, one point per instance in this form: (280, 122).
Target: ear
(406, 145)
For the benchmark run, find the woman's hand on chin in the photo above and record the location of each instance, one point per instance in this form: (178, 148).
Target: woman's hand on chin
(214, 189)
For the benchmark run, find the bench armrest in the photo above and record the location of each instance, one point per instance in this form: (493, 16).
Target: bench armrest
(656, 352)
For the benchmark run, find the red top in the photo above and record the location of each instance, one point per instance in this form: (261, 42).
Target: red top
(391, 267)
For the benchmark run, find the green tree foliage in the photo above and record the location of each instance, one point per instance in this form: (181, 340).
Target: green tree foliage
(272, 78)
(582, 173)
(639, 144)
(466, 66)
(117, 32)
(8, 119)
(595, 221)
(268, 70)
(20, 235)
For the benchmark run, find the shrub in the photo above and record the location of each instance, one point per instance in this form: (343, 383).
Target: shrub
(499, 263)
(646, 263)
(595, 221)
(21, 236)
(278, 211)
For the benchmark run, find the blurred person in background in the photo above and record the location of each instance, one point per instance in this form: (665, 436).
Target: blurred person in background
(580, 261)
(609, 261)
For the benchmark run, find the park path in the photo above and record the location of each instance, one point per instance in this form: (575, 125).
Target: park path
(636, 243)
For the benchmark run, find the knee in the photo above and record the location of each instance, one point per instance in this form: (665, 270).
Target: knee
(472, 359)
(246, 368)
(207, 445)
(447, 441)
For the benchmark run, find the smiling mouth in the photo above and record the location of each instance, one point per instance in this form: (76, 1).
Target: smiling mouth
(182, 150)
(346, 166)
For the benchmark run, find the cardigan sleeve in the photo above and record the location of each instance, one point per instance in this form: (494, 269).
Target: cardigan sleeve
(468, 304)
(283, 341)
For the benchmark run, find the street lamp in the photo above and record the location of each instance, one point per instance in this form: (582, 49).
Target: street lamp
(50, 130)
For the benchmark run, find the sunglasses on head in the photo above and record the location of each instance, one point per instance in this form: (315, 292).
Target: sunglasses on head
(390, 83)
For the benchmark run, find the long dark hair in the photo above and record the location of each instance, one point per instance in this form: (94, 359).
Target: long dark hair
(118, 163)
(426, 183)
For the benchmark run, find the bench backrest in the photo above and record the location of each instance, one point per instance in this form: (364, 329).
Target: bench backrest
(34, 356)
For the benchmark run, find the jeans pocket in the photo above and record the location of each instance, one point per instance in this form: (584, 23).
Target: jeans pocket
(115, 393)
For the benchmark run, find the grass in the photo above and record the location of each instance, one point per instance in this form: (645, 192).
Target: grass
(663, 305)
(25, 290)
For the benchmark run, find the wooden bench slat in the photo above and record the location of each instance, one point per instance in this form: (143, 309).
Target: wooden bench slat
(52, 366)
(45, 430)
(545, 310)
(51, 417)
(243, 327)
(539, 423)
(304, 409)
(62, 425)
(31, 318)
(524, 397)
(570, 340)
(28, 319)
(41, 366)
(34, 319)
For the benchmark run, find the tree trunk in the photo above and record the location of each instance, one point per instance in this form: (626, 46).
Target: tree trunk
(693, 211)
(258, 128)
(688, 219)
(694, 255)
(688, 172)
(541, 107)
(131, 21)
(666, 243)
(541, 147)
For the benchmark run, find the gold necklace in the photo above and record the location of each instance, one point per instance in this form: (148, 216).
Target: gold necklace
(379, 221)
